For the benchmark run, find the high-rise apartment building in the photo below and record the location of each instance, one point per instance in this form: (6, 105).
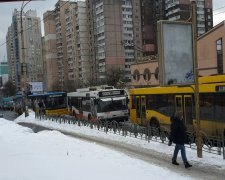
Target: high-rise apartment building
(61, 45)
(151, 12)
(13, 49)
(80, 65)
(67, 44)
(155, 10)
(181, 9)
(12, 62)
(50, 53)
(24, 51)
(116, 34)
(88, 42)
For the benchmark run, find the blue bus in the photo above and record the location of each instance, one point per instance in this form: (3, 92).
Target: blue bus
(54, 103)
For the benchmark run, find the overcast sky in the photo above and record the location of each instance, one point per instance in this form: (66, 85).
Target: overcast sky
(42, 6)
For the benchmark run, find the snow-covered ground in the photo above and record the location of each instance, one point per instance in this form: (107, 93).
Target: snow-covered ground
(50, 155)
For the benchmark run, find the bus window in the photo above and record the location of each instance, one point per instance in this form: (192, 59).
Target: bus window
(149, 102)
(188, 109)
(162, 104)
(178, 103)
(119, 103)
(143, 107)
(86, 104)
(159, 103)
(138, 111)
(220, 107)
(207, 107)
(170, 105)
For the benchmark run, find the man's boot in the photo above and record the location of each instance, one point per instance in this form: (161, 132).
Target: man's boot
(187, 165)
(175, 162)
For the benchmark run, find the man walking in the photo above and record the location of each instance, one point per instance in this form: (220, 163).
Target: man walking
(179, 137)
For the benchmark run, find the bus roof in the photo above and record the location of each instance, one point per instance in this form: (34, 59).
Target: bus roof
(210, 87)
(212, 79)
(46, 94)
(7, 99)
(99, 93)
(206, 84)
(95, 88)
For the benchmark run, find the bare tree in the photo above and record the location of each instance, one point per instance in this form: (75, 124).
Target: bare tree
(114, 75)
(56, 87)
(70, 86)
(9, 89)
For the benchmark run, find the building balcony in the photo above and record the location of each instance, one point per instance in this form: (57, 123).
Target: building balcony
(201, 25)
(201, 19)
(101, 57)
(127, 6)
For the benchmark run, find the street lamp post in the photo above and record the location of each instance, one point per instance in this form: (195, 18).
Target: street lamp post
(24, 65)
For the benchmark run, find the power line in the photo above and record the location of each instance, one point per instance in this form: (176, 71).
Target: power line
(35, 24)
(219, 8)
(219, 13)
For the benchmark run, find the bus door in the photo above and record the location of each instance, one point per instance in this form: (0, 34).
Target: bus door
(141, 110)
(188, 109)
(178, 103)
(92, 108)
(138, 109)
(80, 106)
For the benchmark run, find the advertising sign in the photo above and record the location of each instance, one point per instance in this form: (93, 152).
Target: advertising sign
(175, 47)
(36, 86)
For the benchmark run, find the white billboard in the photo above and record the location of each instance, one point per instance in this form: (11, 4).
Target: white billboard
(175, 47)
(36, 86)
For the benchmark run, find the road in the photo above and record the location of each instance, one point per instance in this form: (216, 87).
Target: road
(9, 115)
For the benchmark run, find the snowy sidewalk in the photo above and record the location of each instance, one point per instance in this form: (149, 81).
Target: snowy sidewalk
(211, 162)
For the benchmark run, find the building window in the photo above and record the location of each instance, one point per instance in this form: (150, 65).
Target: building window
(157, 73)
(219, 51)
(147, 74)
(136, 75)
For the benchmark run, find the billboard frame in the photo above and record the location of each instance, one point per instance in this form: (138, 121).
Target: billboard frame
(188, 78)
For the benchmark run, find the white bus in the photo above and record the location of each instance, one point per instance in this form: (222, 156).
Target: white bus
(99, 104)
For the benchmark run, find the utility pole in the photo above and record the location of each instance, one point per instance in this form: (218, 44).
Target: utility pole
(197, 113)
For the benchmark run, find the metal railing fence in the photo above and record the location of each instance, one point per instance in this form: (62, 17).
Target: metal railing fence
(211, 144)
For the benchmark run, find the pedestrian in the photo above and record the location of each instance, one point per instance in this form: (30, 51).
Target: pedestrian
(36, 106)
(44, 107)
(178, 136)
(41, 107)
